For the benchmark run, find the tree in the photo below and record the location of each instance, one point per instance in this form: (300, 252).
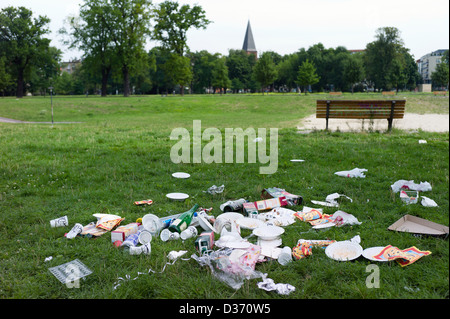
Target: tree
(440, 76)
(22, 42)
(5, 77)
(265, 70)
(220, 75)
(129, 28)
(240, 66)
(178, 69)
(90, 32)
(173, 22)
(383, 58)
(353, 70)
(307, 75)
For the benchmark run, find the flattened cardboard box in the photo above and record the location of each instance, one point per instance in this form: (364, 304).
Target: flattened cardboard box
(417, 225)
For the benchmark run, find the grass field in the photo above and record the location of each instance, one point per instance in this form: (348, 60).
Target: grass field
(120, 153)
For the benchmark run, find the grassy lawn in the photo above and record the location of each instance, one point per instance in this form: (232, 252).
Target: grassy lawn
(120, 153)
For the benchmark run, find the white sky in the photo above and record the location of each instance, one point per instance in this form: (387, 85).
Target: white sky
(284, 26)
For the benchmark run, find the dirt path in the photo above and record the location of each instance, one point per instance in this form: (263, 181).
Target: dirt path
(6, 120)
(411, 121)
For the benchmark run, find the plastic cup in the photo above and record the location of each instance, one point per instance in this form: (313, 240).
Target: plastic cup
(152, 223)
(189, 232)
(78, 228)
(145, 237)
(167, 235)
(285, 256)
(59, 222)
(144, 249)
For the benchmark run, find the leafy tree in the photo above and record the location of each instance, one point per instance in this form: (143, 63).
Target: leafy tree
(22, 43)
(307, 75)
(90, 32)
(178, 69)
(173, 23)
(5, 77)
(353, 70)
(129, 28)
(220, 75)
(265, 70)
(240, 66)
(203, 63)
(440, 76)
(383, 58)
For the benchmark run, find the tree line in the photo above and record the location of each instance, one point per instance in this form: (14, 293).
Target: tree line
(112, 35)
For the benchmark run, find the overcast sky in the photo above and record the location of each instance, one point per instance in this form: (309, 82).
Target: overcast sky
(285, 26)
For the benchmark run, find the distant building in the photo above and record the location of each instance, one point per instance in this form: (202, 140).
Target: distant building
(356, 51)
(70, 66)
(249, 42)
(428, 63)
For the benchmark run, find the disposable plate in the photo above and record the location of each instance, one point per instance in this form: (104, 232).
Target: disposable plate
(268, 232)
(343, 251)
(181, 175)
(372, 251)
(249, 223)
(177, 196)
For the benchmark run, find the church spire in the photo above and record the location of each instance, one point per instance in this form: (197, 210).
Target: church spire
(249, 43)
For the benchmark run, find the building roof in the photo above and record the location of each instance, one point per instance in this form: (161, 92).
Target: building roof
(249, 43)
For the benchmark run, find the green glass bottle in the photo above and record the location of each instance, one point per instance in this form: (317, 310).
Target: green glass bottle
(183, 221)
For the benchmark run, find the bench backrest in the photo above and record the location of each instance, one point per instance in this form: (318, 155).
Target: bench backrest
(361, 109)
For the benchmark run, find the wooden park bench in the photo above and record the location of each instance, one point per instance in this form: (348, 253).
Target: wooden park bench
(335, 93)
(388, 92)
(444, 93)
(361, 109)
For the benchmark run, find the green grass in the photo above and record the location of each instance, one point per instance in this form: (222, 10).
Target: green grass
(121, 153)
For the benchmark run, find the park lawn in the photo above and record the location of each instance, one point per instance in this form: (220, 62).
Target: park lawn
(120, 153)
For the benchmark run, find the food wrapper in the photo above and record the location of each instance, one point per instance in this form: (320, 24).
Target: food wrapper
(143, 202)
(308, 216)
(302, 250)
(404, 257)
(108, 222)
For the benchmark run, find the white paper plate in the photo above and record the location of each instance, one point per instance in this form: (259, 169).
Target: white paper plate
(177, 196)
(343, 250)
(373, 251)
(249, 223)
(268, 232)
(181, 175)
(297, 160)
(205, 224)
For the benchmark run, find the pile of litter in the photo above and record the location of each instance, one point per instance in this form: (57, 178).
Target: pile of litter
(232, 258)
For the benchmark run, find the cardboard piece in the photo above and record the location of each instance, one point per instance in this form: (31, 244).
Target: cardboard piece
(417, 225)
(275, 192)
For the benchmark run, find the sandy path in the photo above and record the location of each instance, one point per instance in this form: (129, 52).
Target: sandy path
(411, 121)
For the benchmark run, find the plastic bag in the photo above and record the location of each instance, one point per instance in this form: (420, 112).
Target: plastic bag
(232, 266)
(356, 172)
(404, 184)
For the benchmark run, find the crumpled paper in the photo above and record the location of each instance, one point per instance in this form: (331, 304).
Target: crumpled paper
(404, 184)
(356, 172)
(269, 285)
(215, 189)
(428, 202)
(339, 218)
(331, 200)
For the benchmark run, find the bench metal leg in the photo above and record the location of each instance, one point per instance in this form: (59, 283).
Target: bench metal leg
(389, 125)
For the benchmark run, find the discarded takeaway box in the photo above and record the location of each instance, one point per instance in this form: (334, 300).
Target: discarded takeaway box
(275, 192)
(417, 225)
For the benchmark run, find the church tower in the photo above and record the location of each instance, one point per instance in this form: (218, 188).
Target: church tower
(249, 43)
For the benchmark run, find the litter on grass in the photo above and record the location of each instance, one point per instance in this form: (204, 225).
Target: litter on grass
(356, 172)
(233, 258)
